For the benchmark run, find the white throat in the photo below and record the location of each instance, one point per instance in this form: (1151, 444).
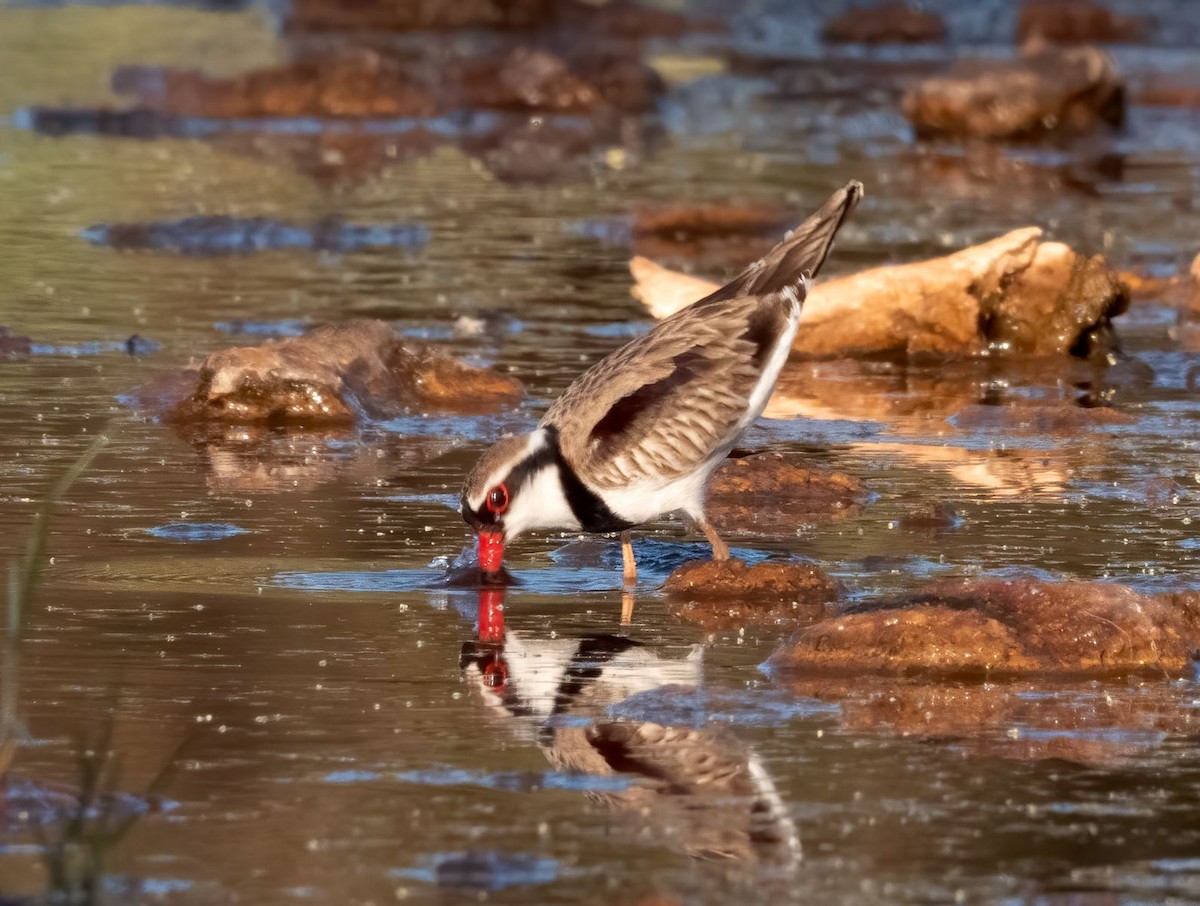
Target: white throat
(541, 502)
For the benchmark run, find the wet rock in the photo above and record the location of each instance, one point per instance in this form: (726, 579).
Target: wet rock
(684, 222)
(1144, 287)
(769, 493)
(533, 80)
(406, 15)
(333, 374)
(352, 82)
(1168, 92)
(1041, 420)
(889, 23)
(14, 344)
(1194, 295)
(616, 19)
(932, 518)
(224, 235)
(729, 594)
(1018, 294)
(712, 233)
(1043, 93)
(973, 626)
(138, 345)
(1029, 718)
(1075, 22)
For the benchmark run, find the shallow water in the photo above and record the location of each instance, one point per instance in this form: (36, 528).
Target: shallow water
(261, 615)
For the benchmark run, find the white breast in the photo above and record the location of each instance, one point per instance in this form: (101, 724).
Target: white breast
(650, 499)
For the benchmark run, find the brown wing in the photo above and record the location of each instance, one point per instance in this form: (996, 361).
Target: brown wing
(658, 407)
(661, 405)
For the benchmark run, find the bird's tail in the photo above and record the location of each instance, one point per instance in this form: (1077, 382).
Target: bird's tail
(799, 257)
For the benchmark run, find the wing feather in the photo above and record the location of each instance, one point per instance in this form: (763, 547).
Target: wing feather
(665, 403)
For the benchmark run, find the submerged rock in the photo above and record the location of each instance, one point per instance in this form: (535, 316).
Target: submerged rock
(712, 233)
(1046, 92)
(333, 374)
(889, 23)
(223, 235)
(1075, 22)
(349, 83)
(768, 493)
(1018, 294)
(14, 344)
(973, 626)
(730, 594)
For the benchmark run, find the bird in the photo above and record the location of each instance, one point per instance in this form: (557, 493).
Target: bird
(694, 784)
(637, 435)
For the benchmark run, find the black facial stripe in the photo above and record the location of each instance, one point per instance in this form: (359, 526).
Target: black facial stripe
(591, 512)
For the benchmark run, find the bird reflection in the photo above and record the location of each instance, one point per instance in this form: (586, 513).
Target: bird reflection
(697, 789)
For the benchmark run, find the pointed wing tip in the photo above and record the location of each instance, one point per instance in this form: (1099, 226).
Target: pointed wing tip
(852, 193)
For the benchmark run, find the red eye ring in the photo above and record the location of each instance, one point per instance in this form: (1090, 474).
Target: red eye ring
(497, 499)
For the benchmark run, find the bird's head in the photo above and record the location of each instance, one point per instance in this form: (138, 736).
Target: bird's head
(514, 487)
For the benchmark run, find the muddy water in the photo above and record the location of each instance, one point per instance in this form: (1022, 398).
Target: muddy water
(259, 615)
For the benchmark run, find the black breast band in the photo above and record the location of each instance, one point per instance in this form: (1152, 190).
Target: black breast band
(592, 513)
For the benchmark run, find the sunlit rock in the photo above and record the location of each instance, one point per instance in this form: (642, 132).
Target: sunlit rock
(335, 373)
(1194, 294)
(770, 494)
(730, 594)
(888, 23)
(1018, 294)
(1075, 22)
(978, 626)
(1044, 92)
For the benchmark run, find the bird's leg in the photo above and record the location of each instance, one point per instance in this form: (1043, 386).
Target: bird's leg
(719, 548)
(626, 608)
(627, 557)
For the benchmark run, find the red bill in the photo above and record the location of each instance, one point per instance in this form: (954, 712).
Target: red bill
(491, 551)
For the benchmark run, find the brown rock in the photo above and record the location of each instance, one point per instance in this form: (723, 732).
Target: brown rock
(1030, 718)
(530, 79)
(1194, 295)
(729, 594)
(684, 222)
(1017, 294)
(1167, 90)
(1143, 287)
(1046, 92)
(768, 493)
(1041, 419)
(14, 344)
(1005, 625)
(534, 79)
(329, 375)
(406, 15)
(890, 23)
(350, 83)
(621, 19)
(1074, 22)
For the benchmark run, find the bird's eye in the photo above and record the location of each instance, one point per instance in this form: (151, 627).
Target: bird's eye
(497, 499)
